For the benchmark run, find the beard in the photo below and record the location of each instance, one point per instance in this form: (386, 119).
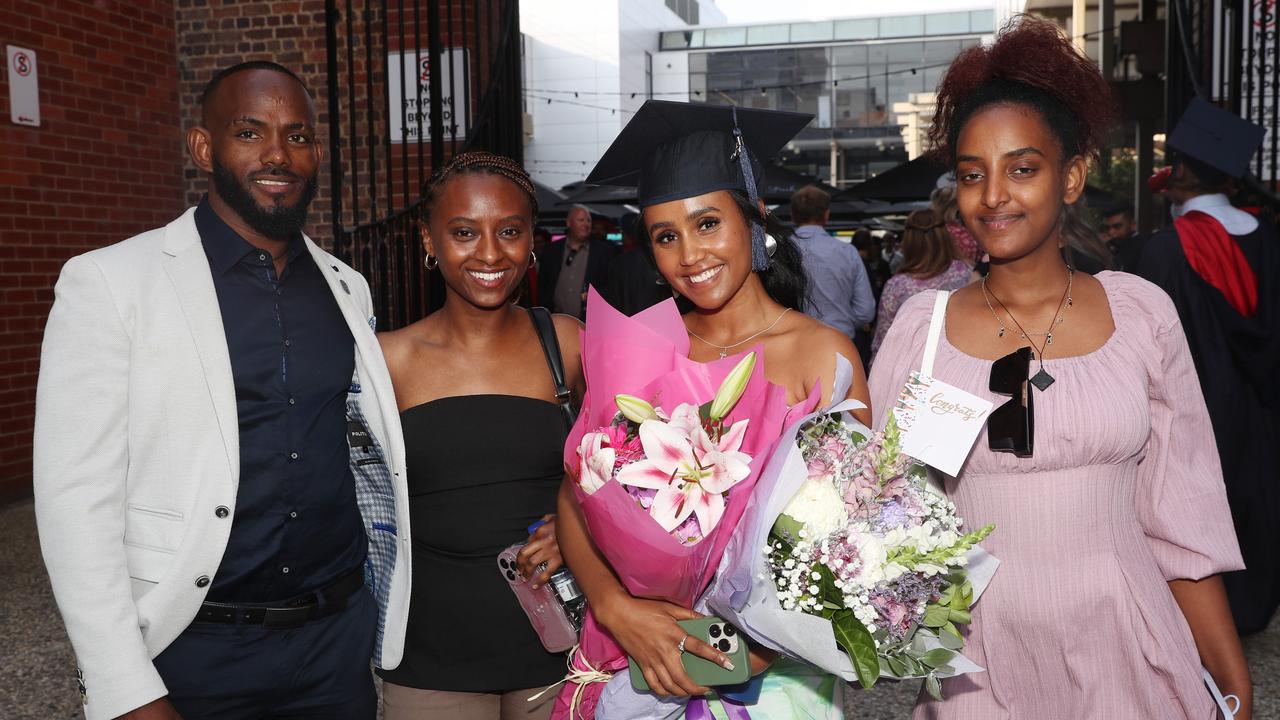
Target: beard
(278, 221)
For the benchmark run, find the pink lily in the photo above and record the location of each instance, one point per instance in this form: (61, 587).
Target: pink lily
(690, 472)
(596, 465)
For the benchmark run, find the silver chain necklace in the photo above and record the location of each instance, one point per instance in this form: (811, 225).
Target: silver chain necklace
(1042, 379)
(724, 349)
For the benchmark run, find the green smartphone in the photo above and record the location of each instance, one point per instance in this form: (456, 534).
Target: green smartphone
(719, 635)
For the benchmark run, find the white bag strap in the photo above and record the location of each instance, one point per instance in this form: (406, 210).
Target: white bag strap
(937, 326)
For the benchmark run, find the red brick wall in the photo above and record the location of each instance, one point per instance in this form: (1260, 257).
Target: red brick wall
(104, 165)
(214, 34)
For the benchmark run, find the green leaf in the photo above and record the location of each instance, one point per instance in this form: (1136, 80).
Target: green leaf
(950, 641)
(937, 658)
(914, 668)
(786, 526)
(935, 616)
(897, 667)
(933, 686)
(852, 635)
(961, 616)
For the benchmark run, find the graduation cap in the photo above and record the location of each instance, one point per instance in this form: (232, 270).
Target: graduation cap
(673, 150)
(1216, 137)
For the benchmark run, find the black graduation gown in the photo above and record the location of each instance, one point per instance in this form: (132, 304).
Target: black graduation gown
(1238, 361)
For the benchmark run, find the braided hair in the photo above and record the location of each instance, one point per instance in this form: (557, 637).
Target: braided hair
(479, 161)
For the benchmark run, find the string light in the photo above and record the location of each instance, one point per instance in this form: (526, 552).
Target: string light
(835, 82)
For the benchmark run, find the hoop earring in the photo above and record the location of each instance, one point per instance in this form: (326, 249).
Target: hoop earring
(427, 262)
(533, 260)
(770, 244)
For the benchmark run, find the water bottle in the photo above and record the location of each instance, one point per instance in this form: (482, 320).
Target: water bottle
(565, 589)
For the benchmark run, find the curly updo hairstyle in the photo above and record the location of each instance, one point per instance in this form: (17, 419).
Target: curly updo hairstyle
(1031, 64)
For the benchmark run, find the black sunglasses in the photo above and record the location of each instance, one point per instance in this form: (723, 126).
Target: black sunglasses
(1012, 426)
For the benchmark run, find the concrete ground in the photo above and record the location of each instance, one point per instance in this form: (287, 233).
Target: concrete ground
(37, 672)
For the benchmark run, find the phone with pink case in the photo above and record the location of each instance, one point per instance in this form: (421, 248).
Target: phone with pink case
(545, 612)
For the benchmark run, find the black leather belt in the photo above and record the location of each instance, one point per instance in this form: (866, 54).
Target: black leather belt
(327, 600)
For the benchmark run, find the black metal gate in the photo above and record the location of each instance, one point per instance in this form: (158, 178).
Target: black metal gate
(410, 85)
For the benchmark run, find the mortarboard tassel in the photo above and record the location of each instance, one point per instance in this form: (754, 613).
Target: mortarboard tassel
(759, 253)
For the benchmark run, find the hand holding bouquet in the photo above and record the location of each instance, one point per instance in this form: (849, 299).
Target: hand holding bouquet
(662, 463)
(867, 545)
(848, 560)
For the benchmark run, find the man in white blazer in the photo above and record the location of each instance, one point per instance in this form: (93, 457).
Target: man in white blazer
(219, 470)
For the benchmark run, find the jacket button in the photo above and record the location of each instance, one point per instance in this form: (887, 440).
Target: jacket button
(202, 581)
(222, 511)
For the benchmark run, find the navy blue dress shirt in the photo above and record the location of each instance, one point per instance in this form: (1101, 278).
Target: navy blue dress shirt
(296, 526)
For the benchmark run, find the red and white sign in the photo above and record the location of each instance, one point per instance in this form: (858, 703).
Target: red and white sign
(455, 99)
(24, 86)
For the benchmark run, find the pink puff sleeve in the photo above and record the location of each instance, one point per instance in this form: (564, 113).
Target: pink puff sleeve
(1182, 502)
(900, 353)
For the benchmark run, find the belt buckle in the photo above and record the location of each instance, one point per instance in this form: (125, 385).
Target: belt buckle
(286, 618)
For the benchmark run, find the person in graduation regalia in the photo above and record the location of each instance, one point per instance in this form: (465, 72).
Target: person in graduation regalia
(1221, 266)
(742, 286)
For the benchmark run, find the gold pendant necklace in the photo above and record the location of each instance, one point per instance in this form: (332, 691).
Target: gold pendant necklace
(724, 349)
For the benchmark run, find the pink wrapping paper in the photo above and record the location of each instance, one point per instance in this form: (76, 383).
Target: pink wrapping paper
(647, 356)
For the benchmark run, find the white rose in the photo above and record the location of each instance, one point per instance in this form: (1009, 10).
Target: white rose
(819, 507)
(873, 555)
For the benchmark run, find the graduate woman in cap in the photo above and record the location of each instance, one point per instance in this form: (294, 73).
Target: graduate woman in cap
(1221, 266)
(739, 276)
(1097, 466)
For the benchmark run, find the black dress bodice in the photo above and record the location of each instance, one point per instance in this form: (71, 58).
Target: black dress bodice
(481, 469)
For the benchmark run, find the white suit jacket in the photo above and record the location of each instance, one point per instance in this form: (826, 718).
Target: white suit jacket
(137, 449)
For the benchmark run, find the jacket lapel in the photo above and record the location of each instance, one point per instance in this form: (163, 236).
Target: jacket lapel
(192, 280)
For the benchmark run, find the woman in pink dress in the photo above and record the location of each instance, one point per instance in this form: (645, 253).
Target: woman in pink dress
(929, 263)
(1111, 517)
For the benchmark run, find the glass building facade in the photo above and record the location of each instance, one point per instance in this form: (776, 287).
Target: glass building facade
(847, 73)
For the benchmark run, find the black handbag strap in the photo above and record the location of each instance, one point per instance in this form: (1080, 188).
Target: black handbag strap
(551, 349)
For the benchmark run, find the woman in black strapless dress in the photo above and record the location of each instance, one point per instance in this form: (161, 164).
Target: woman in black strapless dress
(483, 433)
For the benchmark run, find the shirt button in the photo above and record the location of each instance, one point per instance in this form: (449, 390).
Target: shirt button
(293, 514)
(286, 343)
(202, 581)
(284, 570)
(292, 401)
(262, 257)
(222, 511)
(293, 456)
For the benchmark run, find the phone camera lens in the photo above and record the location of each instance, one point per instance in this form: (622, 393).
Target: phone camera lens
(503, 562)
(511, 577)
(723, 646)
(714, 631)
(729, 631)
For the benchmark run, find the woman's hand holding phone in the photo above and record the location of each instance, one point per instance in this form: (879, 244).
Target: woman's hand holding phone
(647, 631)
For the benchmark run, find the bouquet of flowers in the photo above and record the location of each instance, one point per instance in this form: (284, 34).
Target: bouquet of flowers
(678, 467)
(847, 558)
(662, 462)
(868, 545)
